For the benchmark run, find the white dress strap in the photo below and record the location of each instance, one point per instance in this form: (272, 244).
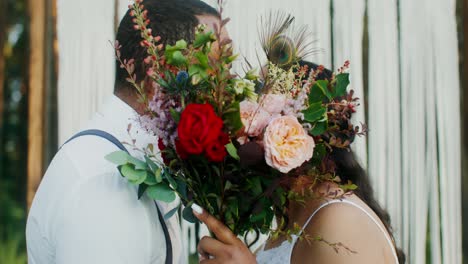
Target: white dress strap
(387, 236)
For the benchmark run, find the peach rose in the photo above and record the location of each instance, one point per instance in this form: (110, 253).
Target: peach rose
(273, 103)
(287, 144)
(254, 118)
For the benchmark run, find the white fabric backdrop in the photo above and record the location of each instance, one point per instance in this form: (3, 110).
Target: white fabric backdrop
(384, 108)
(86, 62)
(413, 148)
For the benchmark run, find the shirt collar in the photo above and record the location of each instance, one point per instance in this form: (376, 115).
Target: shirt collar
(120, 120)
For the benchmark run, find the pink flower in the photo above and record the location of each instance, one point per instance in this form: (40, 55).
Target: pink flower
(254, 118)
(273, 103)
(150, 72)
(287, 144)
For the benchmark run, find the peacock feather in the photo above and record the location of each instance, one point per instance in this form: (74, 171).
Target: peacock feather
(282, 42)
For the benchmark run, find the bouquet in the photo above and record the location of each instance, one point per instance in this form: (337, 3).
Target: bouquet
(240, 147)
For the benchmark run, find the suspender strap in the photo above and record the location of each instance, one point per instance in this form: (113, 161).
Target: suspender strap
(117, 143)
(167, 236)
(99, 133)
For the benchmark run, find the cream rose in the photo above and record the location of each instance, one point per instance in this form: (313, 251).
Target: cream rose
(254, 118)
(273, 103)
(287, 144)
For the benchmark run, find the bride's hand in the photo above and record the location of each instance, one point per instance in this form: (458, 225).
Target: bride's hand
(225, 248)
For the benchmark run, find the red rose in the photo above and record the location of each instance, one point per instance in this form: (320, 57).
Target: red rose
(216, 152)
(200, 129)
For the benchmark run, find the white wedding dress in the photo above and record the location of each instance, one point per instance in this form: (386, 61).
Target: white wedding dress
(282, 254)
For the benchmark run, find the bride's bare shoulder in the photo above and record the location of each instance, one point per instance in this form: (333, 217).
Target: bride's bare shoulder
(340, 233)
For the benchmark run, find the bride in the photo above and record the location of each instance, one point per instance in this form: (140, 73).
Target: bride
(350, 229)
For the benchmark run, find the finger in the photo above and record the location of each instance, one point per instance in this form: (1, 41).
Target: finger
(210, 261)
(209, 246)
(203, 256)
(221, 231)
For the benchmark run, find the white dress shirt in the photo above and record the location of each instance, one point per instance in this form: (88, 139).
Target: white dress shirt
(85, 212)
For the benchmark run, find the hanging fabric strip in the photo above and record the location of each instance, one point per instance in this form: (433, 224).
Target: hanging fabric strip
(384, 109)
(86, 60)
(348, 26)
(443, 39)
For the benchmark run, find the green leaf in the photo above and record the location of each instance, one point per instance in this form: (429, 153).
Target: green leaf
(171, 213)
(202, 39)
(323, 85)
(197, 71)
(319, 128)
(232, 58)
(118, 157)
(227, 186)
(216, 170)
(319, 152)
(342, 82)
(319, 92)
(161, 192)
(258, 218)
(255, 186)
(150, 147)
(231, 149)
(175, 115)
(232, 117)
(132, 175)
(170, 179)
(316, 95)
(158, 175)
(139, 165)
(188, 215)
(142, 179)
(234, 207)
(349, 187)
(141, 190)
(177, 59)
(180, 45)
(202, 59)
(151, 164)
(182, 189)
(150, 180)
(315, 112)
(163, 83)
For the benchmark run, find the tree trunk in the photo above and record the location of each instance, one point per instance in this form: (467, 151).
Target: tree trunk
(36, 95)
(2, 61)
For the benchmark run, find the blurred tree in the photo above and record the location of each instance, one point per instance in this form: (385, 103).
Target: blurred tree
(2, 57)
(13, 127)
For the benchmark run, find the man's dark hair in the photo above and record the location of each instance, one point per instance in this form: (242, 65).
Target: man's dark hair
(172, 20)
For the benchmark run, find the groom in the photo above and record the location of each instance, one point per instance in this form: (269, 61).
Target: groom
(84, 212)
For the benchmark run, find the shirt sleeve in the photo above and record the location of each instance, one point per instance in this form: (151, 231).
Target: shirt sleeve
(104, 222)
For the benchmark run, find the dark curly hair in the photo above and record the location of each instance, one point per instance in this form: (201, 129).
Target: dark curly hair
(172, 20)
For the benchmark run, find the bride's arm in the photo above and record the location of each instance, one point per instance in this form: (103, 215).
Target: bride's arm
(347, 236)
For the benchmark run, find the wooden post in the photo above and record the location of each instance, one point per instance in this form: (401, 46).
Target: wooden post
(116, 15)
(36, 95)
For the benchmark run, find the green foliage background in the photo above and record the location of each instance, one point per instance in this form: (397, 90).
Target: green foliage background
(13, 137)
